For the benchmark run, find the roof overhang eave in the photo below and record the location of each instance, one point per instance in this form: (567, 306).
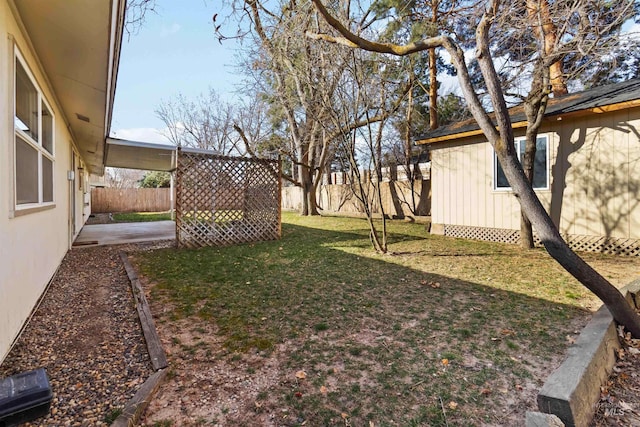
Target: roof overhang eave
(122, 153)
(466, 134)
(115, 47)
(555, 117)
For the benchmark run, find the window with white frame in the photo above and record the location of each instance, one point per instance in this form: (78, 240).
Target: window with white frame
(34, 141)
(540, 166)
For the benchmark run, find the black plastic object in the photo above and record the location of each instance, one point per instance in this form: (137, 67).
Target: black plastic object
(24, 397)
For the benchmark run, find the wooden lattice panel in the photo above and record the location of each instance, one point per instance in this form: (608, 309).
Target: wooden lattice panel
(482, 233)
(606, 245)
(226, 200)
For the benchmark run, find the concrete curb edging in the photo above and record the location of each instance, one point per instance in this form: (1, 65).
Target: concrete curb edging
(573, 389)
(136, 406)
(538, 419)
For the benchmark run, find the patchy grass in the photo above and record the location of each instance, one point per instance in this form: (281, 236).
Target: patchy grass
(441, 332)
(141, 216)
(112, 415)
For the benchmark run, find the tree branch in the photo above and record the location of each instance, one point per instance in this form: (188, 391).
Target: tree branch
(352, 40)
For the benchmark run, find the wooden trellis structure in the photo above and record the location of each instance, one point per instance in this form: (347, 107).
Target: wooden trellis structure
(226, 200)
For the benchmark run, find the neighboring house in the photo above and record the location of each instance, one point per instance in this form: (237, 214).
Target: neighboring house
(587, 173)
(58, 66)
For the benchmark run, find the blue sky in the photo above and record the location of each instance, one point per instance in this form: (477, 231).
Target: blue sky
(175, 51)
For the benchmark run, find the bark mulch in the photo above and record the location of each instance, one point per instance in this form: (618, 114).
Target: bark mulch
(87, 335)
(619, 403)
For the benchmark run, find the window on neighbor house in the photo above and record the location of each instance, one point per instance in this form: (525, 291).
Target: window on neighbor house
(34, 141)
(540, 167)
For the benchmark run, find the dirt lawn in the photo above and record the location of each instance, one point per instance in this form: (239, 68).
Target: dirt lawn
(424, 346)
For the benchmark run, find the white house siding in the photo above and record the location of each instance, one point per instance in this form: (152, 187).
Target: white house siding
(31, 245)
(594, 177)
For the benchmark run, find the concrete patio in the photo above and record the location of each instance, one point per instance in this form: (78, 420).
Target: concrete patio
(121, 233)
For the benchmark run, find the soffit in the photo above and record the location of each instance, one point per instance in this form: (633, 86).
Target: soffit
(122, 153)
(74, 43)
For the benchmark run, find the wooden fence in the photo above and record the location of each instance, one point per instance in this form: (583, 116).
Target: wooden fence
(107, 200)
(399, 198)
(334, 196)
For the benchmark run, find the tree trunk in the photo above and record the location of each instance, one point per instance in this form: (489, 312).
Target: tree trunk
(534, 106)
(502, 142)
(560, 251)
(547, 32)
(357, 187)
(304, 209)
(309, 202)
(312, 202)
(526, 231)
(303, 156)
(433, 90)
(408, 142)
(530, 204)
(433, 72)
(382, 244)
(528, 162)
(558, 84)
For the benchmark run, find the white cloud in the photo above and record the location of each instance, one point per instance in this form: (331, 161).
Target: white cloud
(141, 134)
(172, 29)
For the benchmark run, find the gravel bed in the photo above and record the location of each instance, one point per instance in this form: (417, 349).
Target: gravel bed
(87, 335)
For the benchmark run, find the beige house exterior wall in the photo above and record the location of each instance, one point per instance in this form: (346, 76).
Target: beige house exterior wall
(599, 168)
(594, 173)
(32, 244)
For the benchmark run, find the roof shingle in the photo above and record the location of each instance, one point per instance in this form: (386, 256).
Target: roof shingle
(593, 98)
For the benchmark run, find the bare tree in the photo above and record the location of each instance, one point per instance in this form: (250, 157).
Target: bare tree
(251, 121)
(298, 78)
(501, 138)
(363, 97)
(205, 123)
(123, 178)
(136, 13)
